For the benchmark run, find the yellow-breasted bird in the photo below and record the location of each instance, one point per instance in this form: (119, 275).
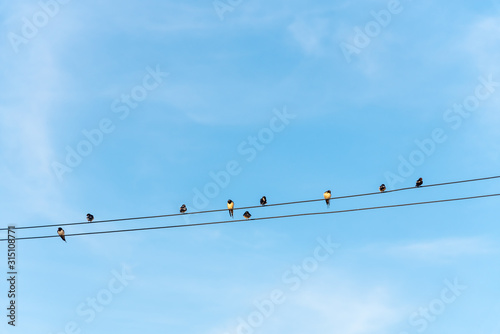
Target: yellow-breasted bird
(230, 207)
(60, 231)
(247, 215)
(382, 188)
(327, 195)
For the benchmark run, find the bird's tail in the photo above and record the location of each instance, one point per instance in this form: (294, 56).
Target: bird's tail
(231, 212)
(327, 202)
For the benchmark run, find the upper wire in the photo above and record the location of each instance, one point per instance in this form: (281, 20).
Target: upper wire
(250, 207)
(256, 219)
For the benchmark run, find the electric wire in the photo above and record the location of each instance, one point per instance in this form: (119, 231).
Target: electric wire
(249, 207)
(261, 218)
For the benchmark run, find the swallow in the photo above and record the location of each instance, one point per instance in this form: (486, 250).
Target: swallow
(382, 188)
(247, 215)
(183, 208)
(230, 207)
(263, 200)
(60, 231)
(90, 218)
(327, 195)
(419, 182)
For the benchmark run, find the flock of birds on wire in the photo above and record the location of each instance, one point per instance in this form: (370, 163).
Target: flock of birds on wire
(230, 206)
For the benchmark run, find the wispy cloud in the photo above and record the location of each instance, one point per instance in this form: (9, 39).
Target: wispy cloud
(482, 43)
(310, 35)
(444, 249)
(31, 87)
(333, 301)
(347, 309)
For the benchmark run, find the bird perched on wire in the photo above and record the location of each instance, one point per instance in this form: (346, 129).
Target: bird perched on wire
(419, 182)
(263, 200)
(60, 231)
(382, 188)
(247, 215)
(90, 218)
(327, 195)
(183, 208)
(230, 207)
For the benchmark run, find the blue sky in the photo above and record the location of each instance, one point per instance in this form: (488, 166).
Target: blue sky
(161, 101)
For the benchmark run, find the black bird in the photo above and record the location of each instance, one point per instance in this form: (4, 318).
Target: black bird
(230, 207)
(183, 208)
(247, 215)
(327, 195)
(419, 182)
(263, 200)
(60, 231)
(90, 218)
(382, 188)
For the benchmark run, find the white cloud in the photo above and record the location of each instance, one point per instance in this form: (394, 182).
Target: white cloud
(443, 249)
(482, 42)
(310, 35)
(347, 309)
(32, 85)
(329, 302)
